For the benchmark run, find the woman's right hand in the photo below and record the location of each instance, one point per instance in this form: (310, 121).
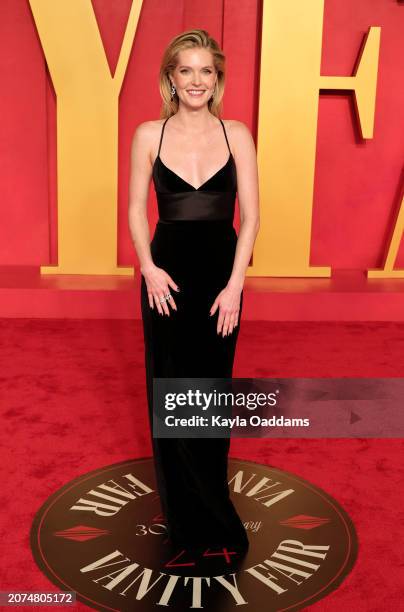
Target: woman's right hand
(158, 283)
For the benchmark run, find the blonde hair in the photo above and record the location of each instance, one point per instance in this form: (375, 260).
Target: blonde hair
(188, 40)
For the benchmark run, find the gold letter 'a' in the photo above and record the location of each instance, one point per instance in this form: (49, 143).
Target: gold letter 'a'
(87, 133)
(290, 81)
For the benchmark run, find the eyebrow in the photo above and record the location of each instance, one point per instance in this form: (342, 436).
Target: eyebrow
(208, 66)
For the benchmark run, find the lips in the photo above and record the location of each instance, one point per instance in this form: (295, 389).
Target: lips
(195, 92)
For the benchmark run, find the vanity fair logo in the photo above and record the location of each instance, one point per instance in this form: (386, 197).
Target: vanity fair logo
(104, 537)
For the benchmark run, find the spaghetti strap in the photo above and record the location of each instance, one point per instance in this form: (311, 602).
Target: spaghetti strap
(224, 130)
(161, 137)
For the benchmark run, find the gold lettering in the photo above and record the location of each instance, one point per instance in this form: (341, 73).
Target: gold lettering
(87, 133)
(287, 133)
(387, 270)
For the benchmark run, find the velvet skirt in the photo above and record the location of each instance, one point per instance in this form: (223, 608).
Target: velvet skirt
(191, 473)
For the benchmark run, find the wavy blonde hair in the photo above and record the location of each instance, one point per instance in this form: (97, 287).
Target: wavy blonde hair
(188, 40)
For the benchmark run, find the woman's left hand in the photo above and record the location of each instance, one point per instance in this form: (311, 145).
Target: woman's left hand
(228, 302)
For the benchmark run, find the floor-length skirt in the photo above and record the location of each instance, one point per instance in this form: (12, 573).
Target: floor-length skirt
(191, 473)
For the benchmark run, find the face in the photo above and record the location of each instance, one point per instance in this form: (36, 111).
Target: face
(194, 77)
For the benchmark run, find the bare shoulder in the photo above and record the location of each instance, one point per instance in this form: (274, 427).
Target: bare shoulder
(239, 134)
(147, 130)
(236, 126)
(146, 135)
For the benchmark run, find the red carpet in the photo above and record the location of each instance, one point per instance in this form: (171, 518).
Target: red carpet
(72, 398)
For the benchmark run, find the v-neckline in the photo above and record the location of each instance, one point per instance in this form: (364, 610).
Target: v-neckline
(186, 182)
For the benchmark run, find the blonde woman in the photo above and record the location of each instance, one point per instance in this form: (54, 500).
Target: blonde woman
(193, 271)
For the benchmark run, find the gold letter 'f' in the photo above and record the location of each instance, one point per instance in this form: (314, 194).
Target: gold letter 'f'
(290, 82)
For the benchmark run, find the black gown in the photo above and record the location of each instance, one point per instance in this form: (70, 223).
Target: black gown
(195, 242)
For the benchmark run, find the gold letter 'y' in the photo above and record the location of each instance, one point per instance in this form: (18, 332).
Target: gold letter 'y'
(87, 133)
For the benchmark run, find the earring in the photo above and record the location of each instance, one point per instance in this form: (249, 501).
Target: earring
(173, 90)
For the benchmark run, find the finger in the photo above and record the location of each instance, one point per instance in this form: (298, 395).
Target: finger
(172, 284)
(164, 303)
(169, 298)
(171, 301)
(236, 318)
(213, 308)
(158, 304)
(220, 321)
(231, 322)
(151, 301)
(226, 324)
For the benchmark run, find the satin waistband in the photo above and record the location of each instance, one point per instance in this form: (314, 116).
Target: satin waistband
(196, 206)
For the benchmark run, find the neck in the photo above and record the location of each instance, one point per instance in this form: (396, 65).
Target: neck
(193, 120)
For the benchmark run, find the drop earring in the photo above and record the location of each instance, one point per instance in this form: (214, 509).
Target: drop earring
(173, 91)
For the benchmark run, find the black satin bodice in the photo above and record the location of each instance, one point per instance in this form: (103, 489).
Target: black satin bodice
(177, 200)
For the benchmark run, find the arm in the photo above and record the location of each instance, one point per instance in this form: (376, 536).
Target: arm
(228, 300)
(157, 280)
(140, 175)
(248, 198)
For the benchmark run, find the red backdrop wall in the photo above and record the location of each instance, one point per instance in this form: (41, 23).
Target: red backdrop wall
(357, 183)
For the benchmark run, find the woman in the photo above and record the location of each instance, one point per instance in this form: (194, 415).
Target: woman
(193, 271)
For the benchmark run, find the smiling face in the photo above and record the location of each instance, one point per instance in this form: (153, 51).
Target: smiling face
(194, 76)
